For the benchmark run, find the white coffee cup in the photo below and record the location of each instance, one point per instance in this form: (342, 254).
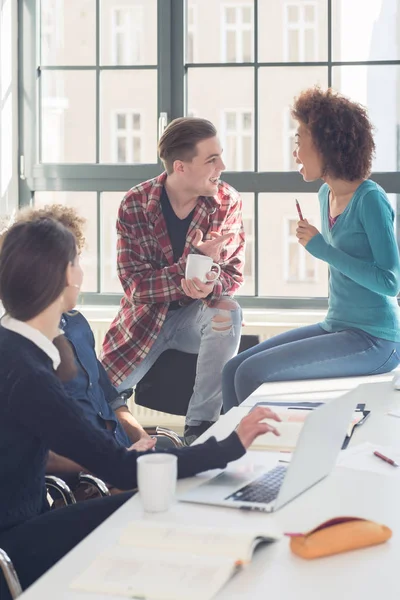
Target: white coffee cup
(198, 265)
(156, 476)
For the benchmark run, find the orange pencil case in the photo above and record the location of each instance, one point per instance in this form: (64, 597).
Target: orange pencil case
(338, 535)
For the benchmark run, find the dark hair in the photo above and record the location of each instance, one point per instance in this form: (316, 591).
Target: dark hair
(179, 140)
(341, 132)
(33, 262)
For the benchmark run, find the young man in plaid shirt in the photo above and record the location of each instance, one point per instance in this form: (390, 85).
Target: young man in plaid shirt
(186, 209)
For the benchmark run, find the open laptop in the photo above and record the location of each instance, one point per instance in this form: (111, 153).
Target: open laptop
(318, 446)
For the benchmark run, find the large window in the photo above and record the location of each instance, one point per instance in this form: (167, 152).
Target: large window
(102, 72)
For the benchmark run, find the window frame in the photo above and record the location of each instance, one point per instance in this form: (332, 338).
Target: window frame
(171, 75)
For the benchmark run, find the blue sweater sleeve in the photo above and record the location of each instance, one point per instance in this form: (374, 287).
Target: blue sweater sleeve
(383, 274)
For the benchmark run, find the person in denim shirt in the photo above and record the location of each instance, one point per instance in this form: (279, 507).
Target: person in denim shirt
(90, 387)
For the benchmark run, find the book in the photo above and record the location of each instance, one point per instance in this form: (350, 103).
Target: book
(169, 561)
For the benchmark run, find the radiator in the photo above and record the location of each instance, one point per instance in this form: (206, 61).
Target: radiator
(152, 418)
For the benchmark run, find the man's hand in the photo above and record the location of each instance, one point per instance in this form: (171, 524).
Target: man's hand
(212, 247)
(305, 232)
(196, 289)
(145, 443)
(252, 426)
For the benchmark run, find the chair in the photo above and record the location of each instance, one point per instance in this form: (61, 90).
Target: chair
(10, 575)
(168, 385)
(54, 483)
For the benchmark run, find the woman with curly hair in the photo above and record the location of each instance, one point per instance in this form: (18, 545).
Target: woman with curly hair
(361, 332)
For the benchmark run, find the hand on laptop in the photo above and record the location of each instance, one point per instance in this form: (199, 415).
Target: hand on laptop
(252, 425)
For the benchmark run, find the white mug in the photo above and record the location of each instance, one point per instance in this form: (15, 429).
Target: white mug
(156, 476)
(198, 265)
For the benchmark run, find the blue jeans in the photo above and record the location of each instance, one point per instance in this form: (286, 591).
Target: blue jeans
(191, 329)
(307, 353)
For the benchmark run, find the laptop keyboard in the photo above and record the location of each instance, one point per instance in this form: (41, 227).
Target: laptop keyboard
(264, 489)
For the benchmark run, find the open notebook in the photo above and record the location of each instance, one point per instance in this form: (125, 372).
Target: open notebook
(293, 418)
(168, 561)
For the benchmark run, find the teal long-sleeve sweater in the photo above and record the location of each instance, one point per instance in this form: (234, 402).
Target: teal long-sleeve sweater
(364, 265)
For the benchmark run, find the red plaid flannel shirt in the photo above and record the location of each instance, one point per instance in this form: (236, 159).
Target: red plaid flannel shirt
(150, 277)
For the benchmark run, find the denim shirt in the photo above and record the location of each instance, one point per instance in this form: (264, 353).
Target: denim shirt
(91, 387)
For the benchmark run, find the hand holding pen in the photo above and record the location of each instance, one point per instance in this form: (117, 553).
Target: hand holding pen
(299, 210)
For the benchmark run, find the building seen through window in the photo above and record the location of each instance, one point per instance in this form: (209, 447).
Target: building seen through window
(100, 105)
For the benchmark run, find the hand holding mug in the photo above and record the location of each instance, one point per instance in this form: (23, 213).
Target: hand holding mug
(200, 276)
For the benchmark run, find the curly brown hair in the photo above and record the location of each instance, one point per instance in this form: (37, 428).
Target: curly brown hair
(65, 215)
(341, 132)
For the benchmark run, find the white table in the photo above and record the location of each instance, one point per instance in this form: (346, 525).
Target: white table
(275, 573)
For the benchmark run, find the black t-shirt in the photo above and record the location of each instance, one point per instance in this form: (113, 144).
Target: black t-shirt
(177, 230)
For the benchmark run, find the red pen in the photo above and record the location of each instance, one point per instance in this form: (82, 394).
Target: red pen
(386, 459)
(299, 210)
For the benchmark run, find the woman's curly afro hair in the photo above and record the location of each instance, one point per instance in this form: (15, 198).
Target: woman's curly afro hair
(341, 132)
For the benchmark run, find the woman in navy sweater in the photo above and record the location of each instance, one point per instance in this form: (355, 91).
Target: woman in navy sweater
(40, 278)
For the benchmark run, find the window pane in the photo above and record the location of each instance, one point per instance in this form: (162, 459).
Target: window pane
(68, 116)
(293, 49)
(247, 41)
(309, 45)
(222, 33)
(293, 267)
(230, 15)
(121, 121)
(248, 288)
(283, 265)
(247, 15)
(225, 109)
(310, 267)
(277, 88)
(285, 30)
(86, 206)
(68, 32)
(110, 202)
(231, 54)
(309, 13)
(122, 156)
(230, 118)
(134, 95)
(377, 88)
(128, 32)
(366, 30)
(137, 150)
(292, 13)
(136, 118)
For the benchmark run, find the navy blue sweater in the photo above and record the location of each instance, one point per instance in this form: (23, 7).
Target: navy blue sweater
(36, 415)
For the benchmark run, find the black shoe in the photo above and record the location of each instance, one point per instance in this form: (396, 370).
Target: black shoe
(192, 432)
